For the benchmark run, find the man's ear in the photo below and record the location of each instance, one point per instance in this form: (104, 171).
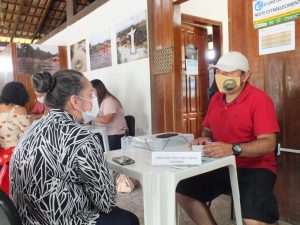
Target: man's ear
(246, 77)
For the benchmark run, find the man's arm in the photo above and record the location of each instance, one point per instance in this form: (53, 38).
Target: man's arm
(206, 136)
(206, 132)
(263, 144)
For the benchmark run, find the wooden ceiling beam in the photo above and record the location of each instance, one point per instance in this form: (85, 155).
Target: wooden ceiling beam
(70, 9)
(88, 9)
(17, 20)
(43, 19)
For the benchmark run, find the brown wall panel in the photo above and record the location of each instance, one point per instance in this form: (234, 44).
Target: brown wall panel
(63, 57)
(287, 187)
(292, 97)
(157, 24)
(278, 75)
(167, 24)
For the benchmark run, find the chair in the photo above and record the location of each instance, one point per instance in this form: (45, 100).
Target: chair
(8, 212)
(130, 120)
(101, 132)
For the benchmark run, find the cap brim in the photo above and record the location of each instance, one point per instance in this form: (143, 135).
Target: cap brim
(223, 68)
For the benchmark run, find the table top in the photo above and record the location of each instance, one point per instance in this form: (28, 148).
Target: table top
(143, 164)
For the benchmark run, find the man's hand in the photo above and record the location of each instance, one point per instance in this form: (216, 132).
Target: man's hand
(217, 149)
(201, 141)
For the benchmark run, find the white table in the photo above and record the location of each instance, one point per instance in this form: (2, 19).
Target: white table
(159, 184)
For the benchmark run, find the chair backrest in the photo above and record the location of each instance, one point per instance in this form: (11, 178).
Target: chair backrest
(130, 120)
(101, 130)
(8, 212)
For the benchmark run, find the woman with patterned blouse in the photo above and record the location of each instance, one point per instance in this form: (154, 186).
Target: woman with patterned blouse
(58, 172)
(13, 122)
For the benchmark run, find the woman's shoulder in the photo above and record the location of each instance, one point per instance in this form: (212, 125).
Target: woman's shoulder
(21, 110)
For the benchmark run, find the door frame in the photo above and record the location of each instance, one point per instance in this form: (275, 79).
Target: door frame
(218, 44)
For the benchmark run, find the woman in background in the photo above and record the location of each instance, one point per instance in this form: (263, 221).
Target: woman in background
(58, 172)
(111, 115)
(13, 122)
(39, 108)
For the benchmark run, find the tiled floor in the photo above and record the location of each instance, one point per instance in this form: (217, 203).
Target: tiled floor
(220, 208)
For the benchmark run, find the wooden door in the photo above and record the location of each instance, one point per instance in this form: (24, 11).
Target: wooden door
(194, 86)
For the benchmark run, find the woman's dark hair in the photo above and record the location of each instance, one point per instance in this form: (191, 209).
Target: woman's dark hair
(59, 87)
(102, 92)
(40, 81)
(14, 92)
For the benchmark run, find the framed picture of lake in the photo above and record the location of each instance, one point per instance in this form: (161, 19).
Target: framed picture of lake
(36, 58)
(100, 50)
(132, 38)
(78, 56)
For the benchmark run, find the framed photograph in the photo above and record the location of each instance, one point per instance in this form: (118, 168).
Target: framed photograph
(100, 50)
(78, 56)
(36, 58)
(132, 38)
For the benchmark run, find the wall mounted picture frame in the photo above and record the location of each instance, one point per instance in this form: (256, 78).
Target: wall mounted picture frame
(100, 50)
(78, 56)
(36, 58)
(132, 38)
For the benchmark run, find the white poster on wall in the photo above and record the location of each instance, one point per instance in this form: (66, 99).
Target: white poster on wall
(278, 38)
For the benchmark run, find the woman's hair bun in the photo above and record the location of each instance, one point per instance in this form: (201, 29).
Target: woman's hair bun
(43, 82)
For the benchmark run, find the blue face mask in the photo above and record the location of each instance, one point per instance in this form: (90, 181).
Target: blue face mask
(93, 113)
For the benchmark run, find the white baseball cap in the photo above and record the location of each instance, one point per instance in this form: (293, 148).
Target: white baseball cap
(232, 61)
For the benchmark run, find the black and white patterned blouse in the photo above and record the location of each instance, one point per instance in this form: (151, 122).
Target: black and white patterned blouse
(59, 175)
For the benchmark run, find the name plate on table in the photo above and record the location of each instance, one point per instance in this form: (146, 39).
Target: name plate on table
(176, 158)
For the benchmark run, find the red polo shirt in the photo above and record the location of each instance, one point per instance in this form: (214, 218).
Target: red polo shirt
(250, 115)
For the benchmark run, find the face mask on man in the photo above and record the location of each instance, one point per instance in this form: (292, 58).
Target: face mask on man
(227, 84)
(93, 113)
(41, 99)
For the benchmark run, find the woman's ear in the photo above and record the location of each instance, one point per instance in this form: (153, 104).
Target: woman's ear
(74, 102)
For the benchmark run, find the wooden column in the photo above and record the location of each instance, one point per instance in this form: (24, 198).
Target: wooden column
(164, 21)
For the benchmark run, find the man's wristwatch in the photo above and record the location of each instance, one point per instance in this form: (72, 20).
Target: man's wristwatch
(236, 149)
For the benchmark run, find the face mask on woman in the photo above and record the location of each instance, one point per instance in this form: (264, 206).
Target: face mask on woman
(93, 113)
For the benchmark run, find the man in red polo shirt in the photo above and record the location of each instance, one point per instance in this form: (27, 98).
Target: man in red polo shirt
(241, 121)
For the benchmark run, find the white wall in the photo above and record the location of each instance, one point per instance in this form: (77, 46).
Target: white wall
(129, 82)
(210, 9)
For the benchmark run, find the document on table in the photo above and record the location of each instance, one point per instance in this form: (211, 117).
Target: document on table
(204, 160)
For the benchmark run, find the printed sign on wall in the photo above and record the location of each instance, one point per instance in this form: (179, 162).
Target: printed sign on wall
(279, 38)
(271, 12)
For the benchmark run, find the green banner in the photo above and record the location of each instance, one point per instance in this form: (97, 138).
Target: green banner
(279, 20)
